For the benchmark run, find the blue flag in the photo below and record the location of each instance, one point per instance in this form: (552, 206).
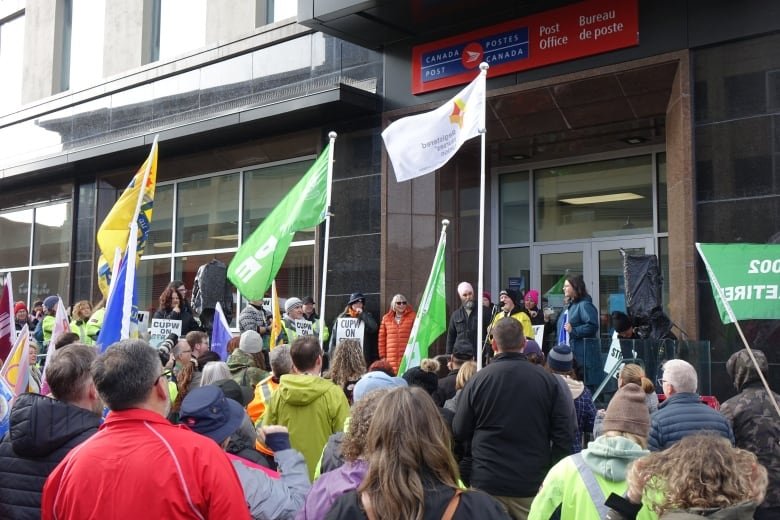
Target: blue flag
(220, 333)
(121, 318)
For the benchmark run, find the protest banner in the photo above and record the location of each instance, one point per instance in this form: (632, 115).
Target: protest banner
(160, 329)
(305, 327)
(350, 328)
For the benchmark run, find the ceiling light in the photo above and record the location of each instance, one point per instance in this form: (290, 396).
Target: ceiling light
(634, 140)
(598, 199)
(520, 157)
(228, 238)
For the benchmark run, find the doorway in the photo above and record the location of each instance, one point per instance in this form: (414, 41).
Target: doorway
(600, 263)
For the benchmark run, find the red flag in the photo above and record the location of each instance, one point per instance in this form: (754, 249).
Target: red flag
(7, 321)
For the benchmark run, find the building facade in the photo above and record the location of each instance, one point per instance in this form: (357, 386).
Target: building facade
(646, 146)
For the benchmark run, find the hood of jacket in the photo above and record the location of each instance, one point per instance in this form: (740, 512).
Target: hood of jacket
(609, 457)
(743, 511)
(742, 370)
(239, 359)
(302, 389)
(576, 387)
(39, 425)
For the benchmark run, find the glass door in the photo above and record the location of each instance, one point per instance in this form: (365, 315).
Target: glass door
(599, 262)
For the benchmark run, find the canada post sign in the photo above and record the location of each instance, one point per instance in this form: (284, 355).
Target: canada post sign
(563, 34)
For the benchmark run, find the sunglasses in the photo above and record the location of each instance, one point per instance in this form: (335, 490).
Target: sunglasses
(400, 303)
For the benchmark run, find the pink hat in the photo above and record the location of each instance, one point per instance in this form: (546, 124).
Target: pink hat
(533, 295)
(487, 295)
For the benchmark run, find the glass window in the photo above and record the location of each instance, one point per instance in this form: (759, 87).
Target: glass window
(513, 209)
(84, 22)
(597, 199)
(515, 268)
(19, 284)
(207, 213)
(11, 56)
(15, 228)
(663, 209)
(264, 188)
(182, 27)
(46, 282)
(52, 234)
(152, 277)
(186, 267)
(162, 219)
(282, 9)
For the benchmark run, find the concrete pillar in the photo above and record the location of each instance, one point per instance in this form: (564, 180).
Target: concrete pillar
(683, 308)
(227, 20)
(42, 49)
(128, 35)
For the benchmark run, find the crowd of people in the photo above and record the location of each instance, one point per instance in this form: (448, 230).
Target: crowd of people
(301, 432)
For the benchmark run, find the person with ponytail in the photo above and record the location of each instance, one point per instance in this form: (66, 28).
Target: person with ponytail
(631, 373)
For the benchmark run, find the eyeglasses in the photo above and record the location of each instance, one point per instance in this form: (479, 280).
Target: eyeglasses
(186, 352)
(400, 303)
(661, 381)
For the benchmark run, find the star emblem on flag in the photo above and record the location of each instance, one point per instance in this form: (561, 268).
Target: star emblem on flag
(457, 112)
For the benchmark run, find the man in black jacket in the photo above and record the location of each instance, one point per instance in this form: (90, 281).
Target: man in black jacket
(43, 430)
(514, 414)
(463, 322)
(461, 353)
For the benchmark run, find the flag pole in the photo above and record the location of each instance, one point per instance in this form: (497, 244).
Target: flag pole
(332, 136)
(733, 318)
(483, 68)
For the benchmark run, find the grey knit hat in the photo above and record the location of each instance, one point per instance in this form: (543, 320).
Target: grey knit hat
(251, 342)
(560, 358)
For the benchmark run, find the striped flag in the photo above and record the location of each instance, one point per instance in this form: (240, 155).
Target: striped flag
(7, 318)
(16, 369)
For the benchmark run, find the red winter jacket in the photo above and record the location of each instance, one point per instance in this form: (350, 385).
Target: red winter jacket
(138, 465)
(394, 336)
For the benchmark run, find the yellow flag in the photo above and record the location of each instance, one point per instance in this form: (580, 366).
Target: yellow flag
(114, 232)
(276, 320)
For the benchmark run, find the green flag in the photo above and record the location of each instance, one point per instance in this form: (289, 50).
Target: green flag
(257, 261)
(431, 320)
(747, 276)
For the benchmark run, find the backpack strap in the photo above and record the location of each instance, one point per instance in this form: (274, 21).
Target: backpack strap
(452, 506)
(591, 484)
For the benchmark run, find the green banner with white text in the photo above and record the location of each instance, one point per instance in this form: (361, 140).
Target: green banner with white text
(257, 261)
(747, 276)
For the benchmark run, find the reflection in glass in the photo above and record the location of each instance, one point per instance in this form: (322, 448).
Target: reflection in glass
(513, 209)
(152, 277)
(514, 263)
(52, 234)
(207, 213)
(555, 267)
(186, 267)
(11, 56)
(182, 27)
(612, 285)
(15, 228)
(20, 286)
(162, 222)
(85, 33)
(264, 188)
(598, 199)
(46, 282)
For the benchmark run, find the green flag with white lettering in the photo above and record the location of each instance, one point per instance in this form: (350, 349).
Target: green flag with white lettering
(431, 320)
(747, 276)
(257, 261)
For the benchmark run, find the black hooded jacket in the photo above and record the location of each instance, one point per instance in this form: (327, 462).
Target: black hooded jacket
(42, 431)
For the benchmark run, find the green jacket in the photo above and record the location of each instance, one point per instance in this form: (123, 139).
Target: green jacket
(312, 408)
(48, 328)
(608, 458)
(95, 323)
(80, 327)
(243, 369)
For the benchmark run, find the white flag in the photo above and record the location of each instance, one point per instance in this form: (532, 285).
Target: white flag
(422, 143)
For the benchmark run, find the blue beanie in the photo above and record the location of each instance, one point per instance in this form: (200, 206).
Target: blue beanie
(51, 301)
